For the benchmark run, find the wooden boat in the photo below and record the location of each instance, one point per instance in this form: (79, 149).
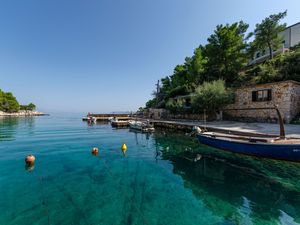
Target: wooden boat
(285, 149)
(142, 126)
(277, 148)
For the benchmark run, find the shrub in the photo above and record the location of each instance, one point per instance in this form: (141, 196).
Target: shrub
(211, 96)
(175, 106)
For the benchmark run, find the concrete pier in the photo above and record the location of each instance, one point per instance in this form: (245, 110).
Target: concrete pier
(233, 127)
(105, 117)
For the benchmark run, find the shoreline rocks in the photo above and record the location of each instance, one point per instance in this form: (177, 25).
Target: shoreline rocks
(22, 113)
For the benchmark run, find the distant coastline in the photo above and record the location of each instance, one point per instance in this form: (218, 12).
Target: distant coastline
(22, 113)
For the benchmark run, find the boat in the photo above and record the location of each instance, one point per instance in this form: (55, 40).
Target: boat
(91, 119)
(115, 122)
(142, 126)
(276, 148)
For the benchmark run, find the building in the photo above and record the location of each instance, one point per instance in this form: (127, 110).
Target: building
(291, 38)
(256, 103)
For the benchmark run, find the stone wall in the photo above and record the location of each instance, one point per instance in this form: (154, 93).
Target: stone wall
(164, 114)
(285, 94)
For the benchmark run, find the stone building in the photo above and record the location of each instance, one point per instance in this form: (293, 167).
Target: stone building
(255, 103)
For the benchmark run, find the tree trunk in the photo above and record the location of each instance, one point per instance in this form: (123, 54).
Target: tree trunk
(270, 51)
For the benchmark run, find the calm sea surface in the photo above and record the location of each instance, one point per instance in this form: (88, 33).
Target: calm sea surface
(158, 181)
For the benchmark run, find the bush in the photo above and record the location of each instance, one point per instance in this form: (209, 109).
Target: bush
(211, 96)
(282, 67)
(290, 66)
(175, 106)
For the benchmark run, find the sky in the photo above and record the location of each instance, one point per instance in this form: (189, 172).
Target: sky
(107, 55)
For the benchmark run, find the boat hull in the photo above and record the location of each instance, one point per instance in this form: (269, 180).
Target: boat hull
(289, 152)
(140, 126)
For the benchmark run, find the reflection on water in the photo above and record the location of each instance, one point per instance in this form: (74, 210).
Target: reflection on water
(10, 125)
(239, 189)
(163, 175)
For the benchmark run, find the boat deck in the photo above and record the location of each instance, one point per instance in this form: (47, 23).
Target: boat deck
(250, 139)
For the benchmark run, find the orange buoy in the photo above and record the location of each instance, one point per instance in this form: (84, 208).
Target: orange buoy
(95, 151)
(29, 160)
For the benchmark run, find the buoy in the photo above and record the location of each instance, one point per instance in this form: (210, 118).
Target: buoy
(95, 151)
(124, 148)
(29, 160)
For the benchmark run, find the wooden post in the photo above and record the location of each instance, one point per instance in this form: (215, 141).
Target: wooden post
(282, 132)
(157, 91)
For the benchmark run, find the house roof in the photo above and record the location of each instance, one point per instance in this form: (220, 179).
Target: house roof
(292, 25)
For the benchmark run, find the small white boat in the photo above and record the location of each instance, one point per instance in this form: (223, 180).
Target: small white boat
(91, 119)
(142, 126)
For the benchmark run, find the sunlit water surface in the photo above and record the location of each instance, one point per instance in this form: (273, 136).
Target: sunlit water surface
(158, 181)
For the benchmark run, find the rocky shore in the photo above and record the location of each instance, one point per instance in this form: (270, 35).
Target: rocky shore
(23, 113)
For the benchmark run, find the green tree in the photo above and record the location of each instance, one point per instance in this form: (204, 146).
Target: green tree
(196, 66)
(266, 34)
(9, 102)
(151, 103)
(31, 106)
(211, 96)
(225, 52)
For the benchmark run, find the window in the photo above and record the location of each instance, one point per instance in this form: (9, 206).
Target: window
(257, 54)
(188, 102)
(262, 95)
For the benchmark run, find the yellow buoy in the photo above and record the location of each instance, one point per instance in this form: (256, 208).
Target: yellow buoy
(124, 148)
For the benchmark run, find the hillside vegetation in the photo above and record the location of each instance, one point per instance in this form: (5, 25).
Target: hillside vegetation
(223, 64)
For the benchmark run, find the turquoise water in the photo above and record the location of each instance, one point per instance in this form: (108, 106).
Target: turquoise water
(156, 182)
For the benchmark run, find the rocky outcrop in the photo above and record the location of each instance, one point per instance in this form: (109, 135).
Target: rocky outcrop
(22, 113)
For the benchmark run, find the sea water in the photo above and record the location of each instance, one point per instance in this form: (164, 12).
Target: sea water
(163, 178)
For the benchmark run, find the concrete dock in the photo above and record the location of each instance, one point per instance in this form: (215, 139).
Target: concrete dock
(232, 127)
(105, 117)
(254, 129)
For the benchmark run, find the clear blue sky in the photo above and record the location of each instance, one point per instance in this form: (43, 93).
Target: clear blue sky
(107, 55)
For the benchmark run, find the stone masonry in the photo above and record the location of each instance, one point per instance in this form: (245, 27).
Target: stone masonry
(285, 94)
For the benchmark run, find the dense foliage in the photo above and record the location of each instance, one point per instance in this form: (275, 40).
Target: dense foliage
(29, 107)
(224, 52)
(281, 67)
(211, 96)
(9, 103)
(222, 64)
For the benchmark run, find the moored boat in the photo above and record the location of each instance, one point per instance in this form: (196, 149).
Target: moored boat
(284, 149)
(277, 148)
(142, 126)
(115, 122)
